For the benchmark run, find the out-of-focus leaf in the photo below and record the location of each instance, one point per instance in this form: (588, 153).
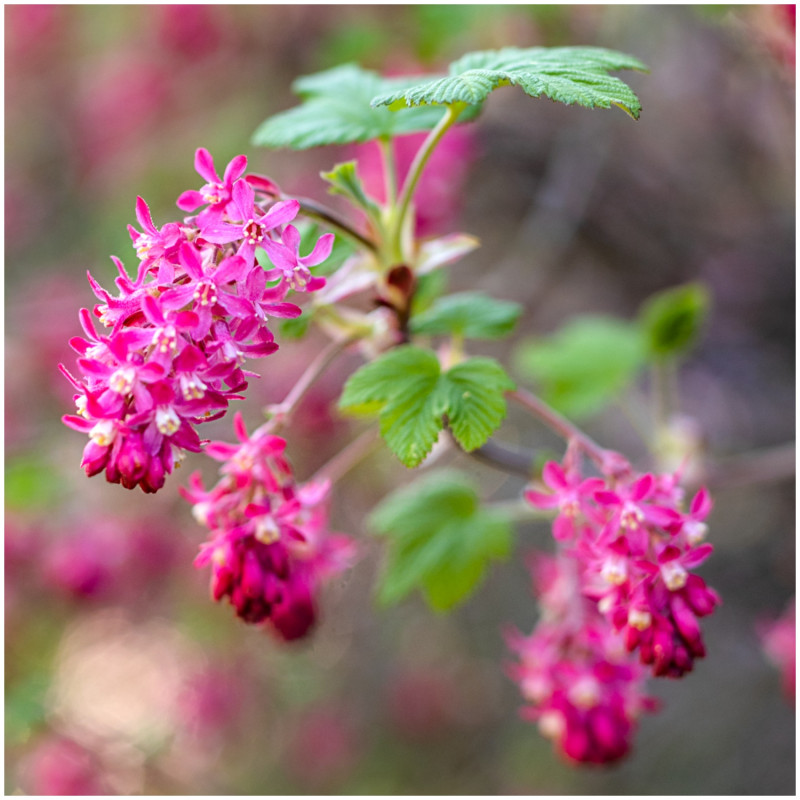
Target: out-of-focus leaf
(564, 74)
(473, 315)
(440, 540)
(345, 181)
(584, 365)
(31, 484)
(673, 319)
(336, 109)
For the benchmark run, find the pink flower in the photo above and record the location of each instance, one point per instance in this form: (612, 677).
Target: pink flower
(270, 547)
(778, 639)
(584, 691)
(217, 193)
(254, 228)
(181, 330)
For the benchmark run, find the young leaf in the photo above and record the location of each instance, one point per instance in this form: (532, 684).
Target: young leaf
(473, 315)
(336, 109)
(672, 319)
(345, 181)
(564, 74)
(411, 395)
(440, 540)
(584, 365)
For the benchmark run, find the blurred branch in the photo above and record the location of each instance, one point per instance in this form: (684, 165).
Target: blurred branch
(347, 458)
(515, 462)
(760, 466)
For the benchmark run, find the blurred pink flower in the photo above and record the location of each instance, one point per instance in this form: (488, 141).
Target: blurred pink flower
(322, 749)
(211, 701)
(779, 641)
(60, 766)
(421, 704)
(191, 31)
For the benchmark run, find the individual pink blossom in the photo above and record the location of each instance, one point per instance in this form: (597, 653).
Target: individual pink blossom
(217, 193)
(270, 547)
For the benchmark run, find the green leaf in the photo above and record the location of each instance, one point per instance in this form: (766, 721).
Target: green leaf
(345, 181)
(31, 484)
(673, 319)
(472, 315)
(411, 395)
(584, 365)
(564, 74)
(297, 327)
(440, 540)
(336, 109)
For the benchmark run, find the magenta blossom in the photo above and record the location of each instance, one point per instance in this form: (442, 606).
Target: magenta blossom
(270, 547)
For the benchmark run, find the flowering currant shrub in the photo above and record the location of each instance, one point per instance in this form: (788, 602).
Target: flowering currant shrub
(172, 346)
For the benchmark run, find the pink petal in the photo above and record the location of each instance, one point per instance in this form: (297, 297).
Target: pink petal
(607, 498)
(697, 556)
(642, 487)
(553, 475)
(234, 170)
(279, 255)
(321, 251)
(221, 233)
(701, 504)
(282, 212)
(204, 165)
(540, 499)
(244, 199)
(190, 260)
(143, 215)
(190, 201)
(239, 428)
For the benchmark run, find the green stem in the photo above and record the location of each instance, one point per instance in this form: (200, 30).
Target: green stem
(664, 390)
(414, 173)
(389, 171)
(281, 413)
(561, 425)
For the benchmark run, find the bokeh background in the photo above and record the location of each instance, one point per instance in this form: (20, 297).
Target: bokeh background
(121, 675)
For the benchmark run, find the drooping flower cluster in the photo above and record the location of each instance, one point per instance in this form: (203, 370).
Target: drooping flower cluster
(635, 549)
(583, 688)
(618, 601)
(180, 330)
(270, 548)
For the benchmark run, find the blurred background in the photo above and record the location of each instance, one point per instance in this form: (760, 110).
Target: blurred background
(121, 676)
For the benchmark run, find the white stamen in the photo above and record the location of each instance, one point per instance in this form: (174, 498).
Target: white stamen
(104, 433)
(167, 420)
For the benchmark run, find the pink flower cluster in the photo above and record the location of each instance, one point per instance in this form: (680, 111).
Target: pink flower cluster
(180, 330)
(626, 551)
(584, 690)
(270, 547)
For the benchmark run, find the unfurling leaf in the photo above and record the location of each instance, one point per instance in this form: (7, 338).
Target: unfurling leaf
(672, 319)
(440, 540)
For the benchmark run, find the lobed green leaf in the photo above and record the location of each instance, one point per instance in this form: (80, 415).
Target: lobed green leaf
(440, 540)
(563, 74)
(584, 365)
(472, 315)
(411, 395)
(336, 109)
